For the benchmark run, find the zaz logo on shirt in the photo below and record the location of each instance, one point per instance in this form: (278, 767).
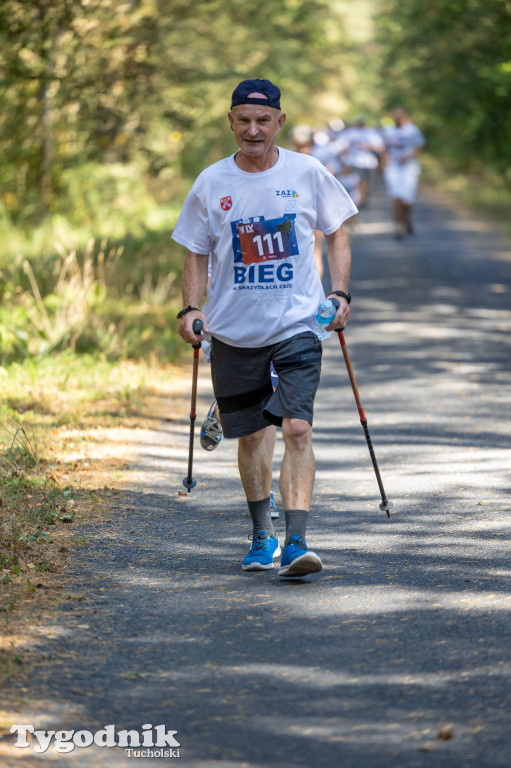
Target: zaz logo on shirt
(226, 203)
(286, 193)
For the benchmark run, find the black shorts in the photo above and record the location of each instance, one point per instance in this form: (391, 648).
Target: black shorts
(243, 388)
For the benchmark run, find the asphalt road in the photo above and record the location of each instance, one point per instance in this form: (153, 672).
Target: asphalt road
(406, 632)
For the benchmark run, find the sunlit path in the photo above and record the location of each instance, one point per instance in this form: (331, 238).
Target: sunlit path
(406, 633)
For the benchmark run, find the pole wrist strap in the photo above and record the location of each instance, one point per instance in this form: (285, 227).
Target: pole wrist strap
(185, 310)
(343, 295)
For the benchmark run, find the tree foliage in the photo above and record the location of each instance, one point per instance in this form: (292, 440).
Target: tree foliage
(449, 61)
(144, 81)
(111, 107)
(75, 79)
(90, 84)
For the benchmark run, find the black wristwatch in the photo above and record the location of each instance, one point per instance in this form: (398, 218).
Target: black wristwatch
(185, 310)
(343, 295)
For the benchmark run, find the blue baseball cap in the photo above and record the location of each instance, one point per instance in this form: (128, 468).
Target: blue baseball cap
(241, 94)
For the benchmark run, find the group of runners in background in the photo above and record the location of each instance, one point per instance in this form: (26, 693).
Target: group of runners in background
(356, 153)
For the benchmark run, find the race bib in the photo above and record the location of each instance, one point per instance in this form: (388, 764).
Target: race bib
(262, 240)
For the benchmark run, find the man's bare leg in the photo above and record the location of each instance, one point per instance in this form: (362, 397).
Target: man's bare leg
(407, 217)
(270, 438)
(254, 464)
(296, 485)
(399, 218)
(298, 465)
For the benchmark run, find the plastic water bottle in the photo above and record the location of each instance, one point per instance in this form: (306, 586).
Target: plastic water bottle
(325, 315)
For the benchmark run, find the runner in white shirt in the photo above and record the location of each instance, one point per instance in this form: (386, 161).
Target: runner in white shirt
(364, 147)
(303, 139)
(404, 142)
(255, 214)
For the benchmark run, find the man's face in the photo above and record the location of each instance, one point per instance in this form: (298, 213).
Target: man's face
(399, 116)
(255, 127)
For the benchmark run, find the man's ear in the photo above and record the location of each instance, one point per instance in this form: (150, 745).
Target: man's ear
(229, 115)
(281, 120)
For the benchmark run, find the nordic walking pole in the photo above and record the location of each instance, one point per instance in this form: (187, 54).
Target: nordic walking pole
(385, 505)
(189, 481)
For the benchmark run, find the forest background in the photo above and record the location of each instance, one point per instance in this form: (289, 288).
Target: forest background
(109, 111)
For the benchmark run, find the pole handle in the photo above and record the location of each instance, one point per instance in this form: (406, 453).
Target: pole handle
(197, 329)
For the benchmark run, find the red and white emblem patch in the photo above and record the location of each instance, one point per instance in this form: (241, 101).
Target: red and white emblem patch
(226, 203)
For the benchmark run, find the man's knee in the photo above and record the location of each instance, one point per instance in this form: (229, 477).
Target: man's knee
(297, 432)
(253, 441)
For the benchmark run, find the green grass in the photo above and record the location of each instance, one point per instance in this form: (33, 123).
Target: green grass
(99, 274)
(102, 300)
(111, 202)
(31, 504)
(66, 389)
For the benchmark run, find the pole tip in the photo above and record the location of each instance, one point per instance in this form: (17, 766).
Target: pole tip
(189, 483)
(386, 506)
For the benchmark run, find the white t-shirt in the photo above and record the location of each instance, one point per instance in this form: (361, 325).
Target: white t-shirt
(399, 140)
(259, 231)
(358, 138)
(330, 155)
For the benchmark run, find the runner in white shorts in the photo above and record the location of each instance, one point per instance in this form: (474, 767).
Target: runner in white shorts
(404, 142)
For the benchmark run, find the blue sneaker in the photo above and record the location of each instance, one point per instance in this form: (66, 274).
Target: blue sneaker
(265, 548)
(211, 430)
(297, 560)
(274, 512)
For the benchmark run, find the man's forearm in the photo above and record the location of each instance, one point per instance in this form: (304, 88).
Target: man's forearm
(339, 262)
(195, 279)
(339, 259)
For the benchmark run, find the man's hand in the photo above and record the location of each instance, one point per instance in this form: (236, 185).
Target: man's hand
(342, 315)
(186, 327)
